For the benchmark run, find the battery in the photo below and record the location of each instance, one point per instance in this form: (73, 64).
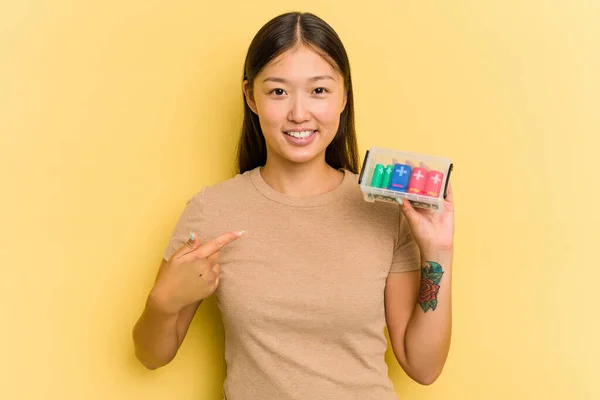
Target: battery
(417, 181)
(400, 177)
(387, 176)
(434, 183)
(377, 179)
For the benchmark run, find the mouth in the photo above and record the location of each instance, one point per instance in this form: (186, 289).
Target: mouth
(301, 134)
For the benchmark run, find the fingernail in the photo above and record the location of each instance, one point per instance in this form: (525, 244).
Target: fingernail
(192, 236)
(241, 233)
(399, 200)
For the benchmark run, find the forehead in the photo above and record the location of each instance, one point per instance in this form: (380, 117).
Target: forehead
(300, 62)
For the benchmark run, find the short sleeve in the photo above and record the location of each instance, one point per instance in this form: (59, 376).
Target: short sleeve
(190, 220)
(407, 256)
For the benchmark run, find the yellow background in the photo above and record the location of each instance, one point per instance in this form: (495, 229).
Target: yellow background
(113, 113)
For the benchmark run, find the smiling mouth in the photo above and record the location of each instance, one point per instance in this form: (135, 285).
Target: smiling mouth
(300, 135)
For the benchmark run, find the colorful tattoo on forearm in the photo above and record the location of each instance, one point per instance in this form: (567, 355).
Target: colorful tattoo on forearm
(431, 274)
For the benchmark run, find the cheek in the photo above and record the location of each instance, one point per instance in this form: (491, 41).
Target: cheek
(328, 112)
(271, 113)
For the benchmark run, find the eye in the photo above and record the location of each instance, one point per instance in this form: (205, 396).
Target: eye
(320, 90)
(278, 92)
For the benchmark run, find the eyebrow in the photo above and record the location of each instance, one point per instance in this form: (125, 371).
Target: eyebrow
(313, 79)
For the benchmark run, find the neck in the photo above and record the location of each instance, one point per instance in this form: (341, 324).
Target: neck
(301, 179)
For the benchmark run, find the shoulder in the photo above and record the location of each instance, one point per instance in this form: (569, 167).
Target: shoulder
(233, 186)
(238, 186)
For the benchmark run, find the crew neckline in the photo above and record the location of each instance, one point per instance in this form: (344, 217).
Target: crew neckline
(301, 201)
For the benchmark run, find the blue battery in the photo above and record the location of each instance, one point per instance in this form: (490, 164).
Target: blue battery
(400, 177)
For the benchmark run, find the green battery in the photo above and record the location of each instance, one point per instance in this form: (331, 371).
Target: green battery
(387, 176)
(377, 176)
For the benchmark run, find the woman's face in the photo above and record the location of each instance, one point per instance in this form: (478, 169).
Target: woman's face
(298, 98)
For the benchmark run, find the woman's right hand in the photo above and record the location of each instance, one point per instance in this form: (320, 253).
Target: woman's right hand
(192, 273)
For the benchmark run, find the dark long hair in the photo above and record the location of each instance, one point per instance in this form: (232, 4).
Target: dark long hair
(275, 37)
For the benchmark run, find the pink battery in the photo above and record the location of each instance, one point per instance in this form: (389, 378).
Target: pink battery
(433, 187)
(418, 181)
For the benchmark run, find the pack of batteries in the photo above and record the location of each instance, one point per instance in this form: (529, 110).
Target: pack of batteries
(389, 175)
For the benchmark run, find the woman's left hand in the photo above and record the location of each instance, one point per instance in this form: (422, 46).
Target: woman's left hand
(433, 231)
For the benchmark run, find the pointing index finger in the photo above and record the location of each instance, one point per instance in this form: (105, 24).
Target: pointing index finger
(217, 243)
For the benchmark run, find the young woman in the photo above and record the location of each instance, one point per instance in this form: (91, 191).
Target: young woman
(307, 275)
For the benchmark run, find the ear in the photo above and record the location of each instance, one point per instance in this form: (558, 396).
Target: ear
(345, 100)
(249, 97)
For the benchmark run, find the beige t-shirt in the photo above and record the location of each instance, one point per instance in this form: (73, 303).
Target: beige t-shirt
(302, 293)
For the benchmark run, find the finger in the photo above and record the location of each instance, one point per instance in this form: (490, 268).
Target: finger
(449, 200)
(214, 257)
(216, 269)
(189, 246)
(214, 245)
(409, 211)
(426, 213)
(449, 195)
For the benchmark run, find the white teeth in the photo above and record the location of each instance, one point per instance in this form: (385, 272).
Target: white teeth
(300, 135)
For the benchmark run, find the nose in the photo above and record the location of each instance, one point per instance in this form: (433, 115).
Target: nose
(298, 112)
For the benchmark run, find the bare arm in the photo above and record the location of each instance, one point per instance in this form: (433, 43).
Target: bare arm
(419, 333)
(159, 332)
(192, 274)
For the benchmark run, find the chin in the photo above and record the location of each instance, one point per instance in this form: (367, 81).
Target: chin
(300, 157)
(303, 155)
(298, 154)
